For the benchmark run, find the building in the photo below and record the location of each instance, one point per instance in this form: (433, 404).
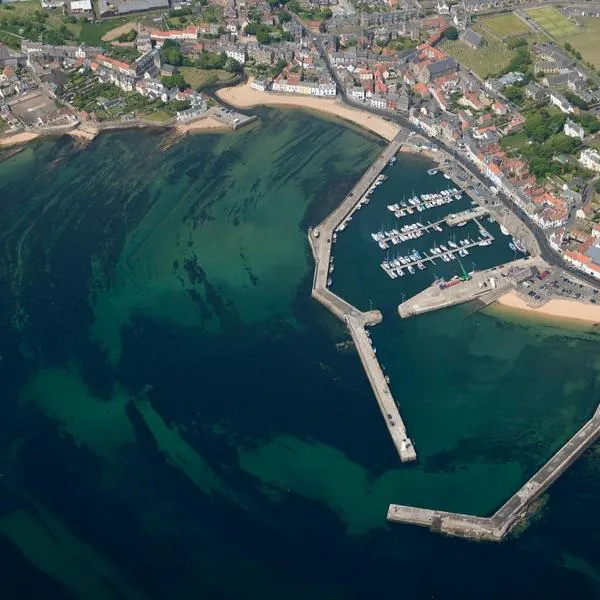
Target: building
(259, 84)
(189, 33)
(472, 39)
(114, 65)
(573, 129)
(80, 7)
(563, 104)
(590, 159)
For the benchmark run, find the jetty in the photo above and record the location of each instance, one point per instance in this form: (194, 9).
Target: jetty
(321, 240)
(496, 527)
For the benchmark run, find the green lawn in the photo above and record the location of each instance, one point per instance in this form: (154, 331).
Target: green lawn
(587, 41)
(197, 78)
(91, 33)
(556, 24)
(487, 60)
(505, 26)
(160, 116)
(517, 141)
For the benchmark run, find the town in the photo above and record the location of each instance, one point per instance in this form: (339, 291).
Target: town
(493, 82)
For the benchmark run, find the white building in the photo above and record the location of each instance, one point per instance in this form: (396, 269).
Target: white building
(378, 102)
(259, 84)
(573, 129)
(590, 159)
(562, 103)
(80, 6)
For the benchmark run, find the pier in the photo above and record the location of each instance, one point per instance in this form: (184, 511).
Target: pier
(321, 240)
(458, 219)
(496, 527)
(484, 286)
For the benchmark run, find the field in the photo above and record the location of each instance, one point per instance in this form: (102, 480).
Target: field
(587, 41)
(504, 26)
(487, 60)
(197, 78)
(516, 141)
(556, 24)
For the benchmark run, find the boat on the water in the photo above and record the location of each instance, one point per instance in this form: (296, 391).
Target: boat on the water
(512, 246)
(504, 230)
(519, 246)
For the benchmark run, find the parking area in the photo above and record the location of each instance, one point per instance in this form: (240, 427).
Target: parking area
(537, 290)
(33, 108)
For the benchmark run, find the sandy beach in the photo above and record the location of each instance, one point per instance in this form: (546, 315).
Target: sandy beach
(560, 308)
(243, 96)
(19, 138)
(204, 124)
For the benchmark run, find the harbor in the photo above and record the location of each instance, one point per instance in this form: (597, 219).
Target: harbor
(436, 271)
(321, 240)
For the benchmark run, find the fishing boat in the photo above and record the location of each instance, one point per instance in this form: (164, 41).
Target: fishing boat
(504, 230)
(519, 246)
(432, 172)
(512, 246)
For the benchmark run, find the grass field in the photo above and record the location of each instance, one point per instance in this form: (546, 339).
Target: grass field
(487, 60)
(197, 78)
(587, 41)
(515, 141)
(556, 24)
(505, 26)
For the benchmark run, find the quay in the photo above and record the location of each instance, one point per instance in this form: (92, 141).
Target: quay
(460, 218)
(321, 240)
(496, 527)
(485, 286)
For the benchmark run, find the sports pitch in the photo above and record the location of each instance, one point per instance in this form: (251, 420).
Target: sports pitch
(557, 25)
(505, 26)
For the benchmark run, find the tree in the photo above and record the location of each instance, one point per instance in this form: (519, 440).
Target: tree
(515, 94)
(597, 186)
(589, 122)
(575, 100)
(451, 33)
(322, 27)
(568, 47)
(171, 53)
(174, 81)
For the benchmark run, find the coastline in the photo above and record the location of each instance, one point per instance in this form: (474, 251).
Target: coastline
(18, 138)
(556, 309)
(244, 96)
(203, 124)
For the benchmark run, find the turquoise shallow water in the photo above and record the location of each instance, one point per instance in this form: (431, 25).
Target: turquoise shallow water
(180, 420)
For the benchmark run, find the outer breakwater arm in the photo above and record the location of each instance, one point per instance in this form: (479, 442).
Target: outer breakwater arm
(496, 527)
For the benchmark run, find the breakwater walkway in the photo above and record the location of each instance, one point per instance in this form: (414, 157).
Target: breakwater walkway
(496, 527)
(320, 239)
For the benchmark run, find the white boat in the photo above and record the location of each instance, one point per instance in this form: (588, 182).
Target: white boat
(504, 230)
(485, 242)
(410, 270)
